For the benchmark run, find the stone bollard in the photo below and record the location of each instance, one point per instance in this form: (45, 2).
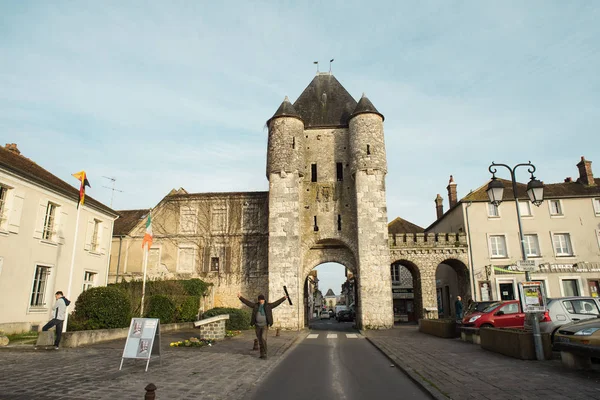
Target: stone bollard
(277, 330)
(255, 344)
(150, 389)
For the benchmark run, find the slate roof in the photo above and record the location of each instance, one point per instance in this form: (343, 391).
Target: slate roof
(329, 293)
(325, 103)
(551, 191)
(286, 109)
(127, 220)
(400, 225)
(27, 169)
(365, 106)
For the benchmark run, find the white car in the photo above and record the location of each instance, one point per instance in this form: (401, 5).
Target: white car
(324, 315)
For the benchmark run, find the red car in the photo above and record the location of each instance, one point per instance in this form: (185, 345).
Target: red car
(503, 314)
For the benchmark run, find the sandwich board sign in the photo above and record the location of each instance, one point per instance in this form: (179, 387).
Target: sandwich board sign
(143, 339)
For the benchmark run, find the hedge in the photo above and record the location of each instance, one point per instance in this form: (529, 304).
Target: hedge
(239, 320)
(161, 307)
(100, 308)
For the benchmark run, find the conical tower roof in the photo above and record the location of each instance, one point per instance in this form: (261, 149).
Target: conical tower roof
(286, 109)
(325, 103)
(329, 293)
(365, 106)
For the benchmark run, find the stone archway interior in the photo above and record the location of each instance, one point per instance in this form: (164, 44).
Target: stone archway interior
(452, 280)
(406, 291)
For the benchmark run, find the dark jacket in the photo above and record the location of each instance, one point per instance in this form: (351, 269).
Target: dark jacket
(268, 310)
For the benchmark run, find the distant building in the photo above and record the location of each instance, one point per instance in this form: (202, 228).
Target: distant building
(562, 236)
(330, 300)
(37, 234)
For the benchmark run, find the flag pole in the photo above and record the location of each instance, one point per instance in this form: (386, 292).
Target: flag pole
(144, 279)
(72, 262)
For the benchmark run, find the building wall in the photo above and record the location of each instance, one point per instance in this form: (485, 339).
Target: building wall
(23, 248)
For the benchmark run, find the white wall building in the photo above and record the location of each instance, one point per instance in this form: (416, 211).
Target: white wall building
(562, 236)
(37, 234)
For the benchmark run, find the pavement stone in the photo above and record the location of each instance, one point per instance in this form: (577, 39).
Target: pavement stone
(453, 369)
(230, 369)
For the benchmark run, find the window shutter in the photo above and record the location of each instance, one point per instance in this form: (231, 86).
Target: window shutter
(88, 235)
(227, 260)
(104, 238)
(206, 259)
(14, 214)
(61, 226)
(41, 216)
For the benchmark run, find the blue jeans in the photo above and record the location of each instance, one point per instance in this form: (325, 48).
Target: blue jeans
(59, 327)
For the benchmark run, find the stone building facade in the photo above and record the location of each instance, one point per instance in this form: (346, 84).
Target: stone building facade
(326, 167)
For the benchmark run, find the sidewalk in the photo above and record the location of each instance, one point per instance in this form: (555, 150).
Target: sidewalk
(453, 369)
(227, 370)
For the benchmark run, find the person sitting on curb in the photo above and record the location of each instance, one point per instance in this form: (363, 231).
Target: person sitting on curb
(262, 318)
(59, 311)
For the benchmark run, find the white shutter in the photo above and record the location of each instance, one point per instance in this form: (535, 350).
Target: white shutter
(14, 215)
(104, 238)
(88, 235)
(61, 225)
(41, 216)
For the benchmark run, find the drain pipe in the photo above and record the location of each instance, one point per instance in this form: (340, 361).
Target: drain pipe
(471, 252)
(119, 259)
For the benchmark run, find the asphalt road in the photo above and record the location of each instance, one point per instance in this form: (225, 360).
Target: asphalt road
(335, 362)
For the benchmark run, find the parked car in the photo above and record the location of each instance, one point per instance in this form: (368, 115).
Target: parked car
(324, 315)
(331, 313)
(478, 306)
(586, 333)
(501, 314)
(345, 315)
(564, 310)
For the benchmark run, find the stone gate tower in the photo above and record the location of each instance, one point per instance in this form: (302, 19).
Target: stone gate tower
(326, 166)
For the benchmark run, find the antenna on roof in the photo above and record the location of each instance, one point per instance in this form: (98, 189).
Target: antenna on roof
(112, 188)
(330, 61)
(316, 62)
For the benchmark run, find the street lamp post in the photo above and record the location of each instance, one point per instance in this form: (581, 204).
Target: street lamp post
(535, 192)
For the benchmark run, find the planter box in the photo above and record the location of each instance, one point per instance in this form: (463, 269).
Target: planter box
(470, 335)
(514, 343)
(444, 328)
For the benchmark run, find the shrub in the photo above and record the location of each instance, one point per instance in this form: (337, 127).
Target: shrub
(238, 319)
(195, 287)
(187, 309)
(101, 308)
(161, 307)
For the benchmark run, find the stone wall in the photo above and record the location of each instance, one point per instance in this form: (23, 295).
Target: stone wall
(213, 330)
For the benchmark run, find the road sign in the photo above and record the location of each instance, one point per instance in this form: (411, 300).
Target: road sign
(527, 265)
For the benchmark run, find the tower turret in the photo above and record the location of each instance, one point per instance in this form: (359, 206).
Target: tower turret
(367, 145)
(285, 149)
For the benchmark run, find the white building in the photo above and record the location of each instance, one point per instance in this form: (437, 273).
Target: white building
(562, 236)
(37, 236)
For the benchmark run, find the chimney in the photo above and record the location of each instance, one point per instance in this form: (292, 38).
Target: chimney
(12, 147)
(439, 206)
(452, 192)
(585, 172)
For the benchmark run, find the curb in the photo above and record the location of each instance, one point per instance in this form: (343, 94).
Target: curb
(416, 378)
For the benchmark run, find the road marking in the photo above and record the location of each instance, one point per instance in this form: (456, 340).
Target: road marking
(312, 336)
(332, 336)
(351, 335)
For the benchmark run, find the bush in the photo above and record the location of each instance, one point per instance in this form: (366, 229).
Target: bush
(187, 309)
(161, 307)
(239, 320)
(195, 287)
(101, 308)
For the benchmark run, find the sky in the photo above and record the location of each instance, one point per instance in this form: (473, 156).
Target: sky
(161, 95)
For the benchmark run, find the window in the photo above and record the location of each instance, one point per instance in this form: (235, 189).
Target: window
(596, 206)
(555, 207)
(95, 235)
(493, 210)
(49, 220)
(498, 246)
(525, 208)
(153, 260)
(89, 280)
(339, 171)
(219, 219)
(214, 264)
(570, 287)
(313, 172)
(3, 211)
(38, 291)
(368, 149)
(562, 244)
(339, 222)
(581, 306)
(510, 309)
(188, 220)
(532, 245)
(186, 259)
(395, 273)
(251, 217)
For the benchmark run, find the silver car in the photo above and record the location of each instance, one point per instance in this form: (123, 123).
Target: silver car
(564, 310)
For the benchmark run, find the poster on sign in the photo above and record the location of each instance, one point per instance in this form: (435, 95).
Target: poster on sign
(533, 299)
(143, 340)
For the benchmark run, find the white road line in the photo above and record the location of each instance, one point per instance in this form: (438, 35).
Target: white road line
(312, 336)
(332, 336)
(351, 335)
